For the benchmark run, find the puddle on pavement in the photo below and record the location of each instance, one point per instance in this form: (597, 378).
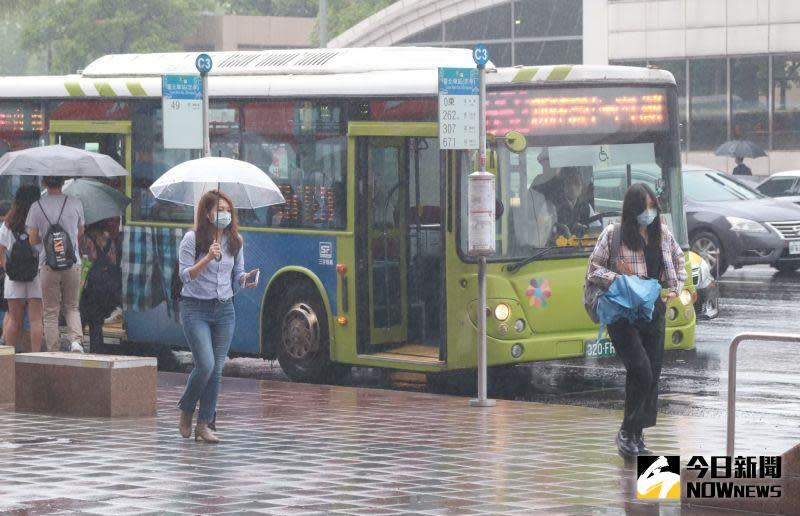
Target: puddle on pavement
(29, 441)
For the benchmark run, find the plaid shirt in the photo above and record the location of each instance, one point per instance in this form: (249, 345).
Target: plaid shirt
(673, 273)
(149, 260)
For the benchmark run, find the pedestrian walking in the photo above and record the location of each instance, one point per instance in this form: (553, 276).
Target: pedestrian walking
(22, 285)
(211, 265)
(102, 292)
(56, 222)
(645, 247)
(741, 169)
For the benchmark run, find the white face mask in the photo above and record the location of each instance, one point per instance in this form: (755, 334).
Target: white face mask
(647, 217)
(222, 219)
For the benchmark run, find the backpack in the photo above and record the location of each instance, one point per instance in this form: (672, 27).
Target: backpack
(591, 291)
(22, 260)
(58, 249)
(103, 289)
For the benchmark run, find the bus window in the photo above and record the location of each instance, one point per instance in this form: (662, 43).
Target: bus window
(301, 145)
(21, 127)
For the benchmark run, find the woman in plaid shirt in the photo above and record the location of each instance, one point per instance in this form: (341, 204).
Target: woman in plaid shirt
(647, 249)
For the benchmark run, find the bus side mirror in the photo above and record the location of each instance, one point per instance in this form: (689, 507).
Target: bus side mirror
(515, 141)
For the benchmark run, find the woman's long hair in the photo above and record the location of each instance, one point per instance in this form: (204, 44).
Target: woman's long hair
(23, 199)
(205, 230)
(635, 202)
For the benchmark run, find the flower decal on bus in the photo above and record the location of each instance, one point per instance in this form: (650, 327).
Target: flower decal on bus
(539, 293)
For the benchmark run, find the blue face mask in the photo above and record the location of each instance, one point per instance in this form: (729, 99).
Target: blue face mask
(222, 219)
(647, 217)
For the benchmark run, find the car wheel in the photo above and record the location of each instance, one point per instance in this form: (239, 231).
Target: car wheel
(707, 245)
(786, 266)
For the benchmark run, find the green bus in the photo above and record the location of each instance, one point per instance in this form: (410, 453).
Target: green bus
(366, 263)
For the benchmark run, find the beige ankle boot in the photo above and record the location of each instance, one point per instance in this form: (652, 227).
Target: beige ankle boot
(186, 424)
(203, 433)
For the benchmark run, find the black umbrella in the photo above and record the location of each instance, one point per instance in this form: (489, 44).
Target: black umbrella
(740, 149)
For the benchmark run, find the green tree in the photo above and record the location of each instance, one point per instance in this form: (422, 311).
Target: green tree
(74, 32)
(304, 8)
(344, 14)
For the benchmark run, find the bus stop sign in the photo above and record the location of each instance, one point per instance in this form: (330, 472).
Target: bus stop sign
(480, 54)
(203, 63)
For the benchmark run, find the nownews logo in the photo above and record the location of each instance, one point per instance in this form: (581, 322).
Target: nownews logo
(658, 477)
(739, 468)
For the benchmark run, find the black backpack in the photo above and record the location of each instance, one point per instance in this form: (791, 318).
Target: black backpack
(102, 291)
(58, 249)
(22, 260)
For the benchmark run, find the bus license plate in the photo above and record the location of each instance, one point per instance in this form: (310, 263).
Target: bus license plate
(599, 348)
(794, 247)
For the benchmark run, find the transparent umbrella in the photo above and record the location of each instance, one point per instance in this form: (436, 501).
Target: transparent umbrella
(248, 186)
(59, 160)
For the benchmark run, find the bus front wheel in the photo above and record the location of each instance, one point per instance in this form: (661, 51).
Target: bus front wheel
(302, 335)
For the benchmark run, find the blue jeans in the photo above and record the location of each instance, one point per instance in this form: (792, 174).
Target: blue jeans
(208, 326)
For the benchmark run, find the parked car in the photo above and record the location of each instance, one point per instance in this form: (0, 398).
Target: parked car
(707, 303)
(785, 185)
(731, 224)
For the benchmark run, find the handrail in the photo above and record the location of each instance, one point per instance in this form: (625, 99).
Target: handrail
(734, 346)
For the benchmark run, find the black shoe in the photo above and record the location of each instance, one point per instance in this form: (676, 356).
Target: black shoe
(626, 445)
(638, 440)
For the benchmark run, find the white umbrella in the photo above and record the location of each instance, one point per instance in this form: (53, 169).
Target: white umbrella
(248, 186)
(59, 160)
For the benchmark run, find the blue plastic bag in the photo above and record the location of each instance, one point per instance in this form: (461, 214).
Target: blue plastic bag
(629, 297)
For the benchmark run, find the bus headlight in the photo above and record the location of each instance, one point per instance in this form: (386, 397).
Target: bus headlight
(672, 313)
(502, 312)
(519, 325)
(517, 350)
(686, 298)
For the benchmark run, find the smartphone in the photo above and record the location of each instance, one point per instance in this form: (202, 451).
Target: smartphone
(251, 279)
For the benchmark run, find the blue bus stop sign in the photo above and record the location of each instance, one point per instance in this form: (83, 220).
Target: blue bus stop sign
(480, 54)
(203, 63)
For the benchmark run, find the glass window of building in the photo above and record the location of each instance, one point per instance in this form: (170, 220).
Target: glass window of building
(749, 99)
(430, 35)
(709, 103)
(786, 101)
(492, 23)
(537, 53)
(677, 67)
(542, 18)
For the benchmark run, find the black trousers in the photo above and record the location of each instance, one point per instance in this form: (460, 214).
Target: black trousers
(640, 345)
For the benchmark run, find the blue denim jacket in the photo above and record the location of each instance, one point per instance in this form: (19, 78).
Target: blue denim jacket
(214, 281)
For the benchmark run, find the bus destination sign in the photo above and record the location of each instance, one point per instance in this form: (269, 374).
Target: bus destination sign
(599, 110)
(459, 90)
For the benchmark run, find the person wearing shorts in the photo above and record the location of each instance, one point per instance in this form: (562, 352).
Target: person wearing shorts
(18, 294)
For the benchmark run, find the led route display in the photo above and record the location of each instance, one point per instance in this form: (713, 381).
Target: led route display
(577, 110)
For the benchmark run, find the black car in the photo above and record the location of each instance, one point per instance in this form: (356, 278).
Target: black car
(731, 224)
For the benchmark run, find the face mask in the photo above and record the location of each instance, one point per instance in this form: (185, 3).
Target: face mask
(222, 220)
(647, 217)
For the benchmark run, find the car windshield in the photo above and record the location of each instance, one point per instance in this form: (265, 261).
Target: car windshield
(711, 186)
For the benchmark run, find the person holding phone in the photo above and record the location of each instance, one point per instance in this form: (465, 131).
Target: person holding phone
(211, 266)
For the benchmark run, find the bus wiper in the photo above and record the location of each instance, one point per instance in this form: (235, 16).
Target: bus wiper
(514, 267)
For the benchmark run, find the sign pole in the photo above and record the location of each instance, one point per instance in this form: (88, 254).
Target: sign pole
(204, 64)
(482, 198)
(206, 140)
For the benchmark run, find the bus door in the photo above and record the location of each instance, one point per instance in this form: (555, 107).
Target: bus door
(112, 138)
(399, 234)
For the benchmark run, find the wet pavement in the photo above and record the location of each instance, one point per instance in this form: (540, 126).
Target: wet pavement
(307, 449)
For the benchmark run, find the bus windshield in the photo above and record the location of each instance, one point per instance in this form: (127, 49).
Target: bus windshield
(567, 185)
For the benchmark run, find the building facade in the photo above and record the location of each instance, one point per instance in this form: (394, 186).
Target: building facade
(736, 62)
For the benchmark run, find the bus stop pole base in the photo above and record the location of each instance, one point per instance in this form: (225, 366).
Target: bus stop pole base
(482, 400)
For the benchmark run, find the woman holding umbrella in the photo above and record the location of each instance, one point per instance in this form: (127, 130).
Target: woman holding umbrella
(211, 265)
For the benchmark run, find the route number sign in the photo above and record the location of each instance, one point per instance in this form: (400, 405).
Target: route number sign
(182, 97)
(459, 90)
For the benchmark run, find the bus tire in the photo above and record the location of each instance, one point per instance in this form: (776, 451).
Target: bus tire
(302, 340)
